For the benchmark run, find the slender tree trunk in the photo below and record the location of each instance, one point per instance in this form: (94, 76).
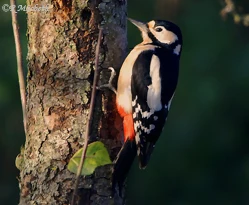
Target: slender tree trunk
(61, 55)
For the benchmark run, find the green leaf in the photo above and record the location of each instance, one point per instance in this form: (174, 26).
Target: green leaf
(96, 155)
(20, 159)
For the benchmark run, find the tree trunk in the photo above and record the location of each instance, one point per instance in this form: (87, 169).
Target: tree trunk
(61, 53)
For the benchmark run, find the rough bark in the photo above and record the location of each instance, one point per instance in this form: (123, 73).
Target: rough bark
(61, 52)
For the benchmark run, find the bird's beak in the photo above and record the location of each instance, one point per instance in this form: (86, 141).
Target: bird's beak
(141, 25)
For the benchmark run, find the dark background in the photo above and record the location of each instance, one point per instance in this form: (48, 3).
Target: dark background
(203, 155)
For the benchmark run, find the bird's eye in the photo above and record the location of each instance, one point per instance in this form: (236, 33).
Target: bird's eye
(158, 29)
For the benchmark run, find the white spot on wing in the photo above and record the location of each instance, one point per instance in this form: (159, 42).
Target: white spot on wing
(148, 130)
(155, 118)
(134, 115)
(152, 127)
(134, 102)
(137, 142)
(154, 90)
(177, 49)
(144, 114)
(138, 126)
(138, 110)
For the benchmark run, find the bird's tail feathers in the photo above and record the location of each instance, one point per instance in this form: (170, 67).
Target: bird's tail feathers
(123, 164)
(144, 154)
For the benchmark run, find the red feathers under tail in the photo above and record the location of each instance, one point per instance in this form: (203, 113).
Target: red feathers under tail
(127, 153)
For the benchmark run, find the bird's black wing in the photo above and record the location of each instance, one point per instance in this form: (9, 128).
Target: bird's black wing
(148, 123)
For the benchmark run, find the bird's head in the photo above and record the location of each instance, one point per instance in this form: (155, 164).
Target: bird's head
(161, 33)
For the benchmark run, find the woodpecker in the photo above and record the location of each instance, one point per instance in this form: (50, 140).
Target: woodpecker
(146, 86)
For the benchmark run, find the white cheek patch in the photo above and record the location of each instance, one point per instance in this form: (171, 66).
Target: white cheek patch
(169, 36)
(177, 49)
(164, 36)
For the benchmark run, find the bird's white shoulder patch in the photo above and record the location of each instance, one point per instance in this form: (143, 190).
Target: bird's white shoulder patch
(154, 90)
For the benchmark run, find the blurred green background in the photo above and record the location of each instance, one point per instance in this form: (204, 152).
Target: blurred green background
(203, 155)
